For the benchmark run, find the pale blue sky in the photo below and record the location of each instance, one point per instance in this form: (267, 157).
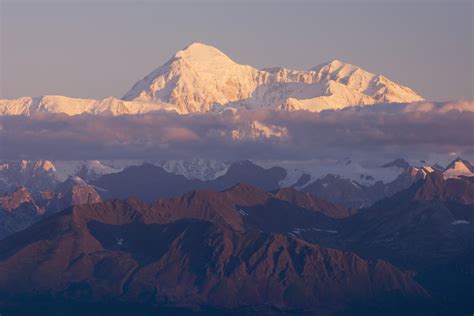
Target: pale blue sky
(97, 49)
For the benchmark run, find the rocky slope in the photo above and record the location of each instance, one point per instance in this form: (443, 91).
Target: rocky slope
(459, 167)
(353, 193)
(199, 257)
(184, 252)
(20, 208)
(427, 228)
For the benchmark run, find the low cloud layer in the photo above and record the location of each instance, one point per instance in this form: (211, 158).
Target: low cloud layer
(390, 130)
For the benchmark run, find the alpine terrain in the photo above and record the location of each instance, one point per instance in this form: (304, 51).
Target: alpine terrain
(201, 78)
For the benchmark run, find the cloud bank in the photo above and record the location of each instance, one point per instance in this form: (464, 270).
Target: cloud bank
(418, 129)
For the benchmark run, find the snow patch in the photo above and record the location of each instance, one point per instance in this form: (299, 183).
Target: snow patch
(460, 222)
(243, 213)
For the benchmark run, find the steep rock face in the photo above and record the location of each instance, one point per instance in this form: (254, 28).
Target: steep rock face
(244, 207)
(201, 76)
(18, 210)
(408, 177)
(35, 175)
(76, 191)
(436, 187)
(21, 209)
(101, 251)
(353, 194)
(459, 167)
(427, 228)
(15, 199)
(428, 224)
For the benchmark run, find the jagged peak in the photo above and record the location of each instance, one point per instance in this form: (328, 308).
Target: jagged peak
(458, 162)
(334, 65)
(459, 159)
(201, 77)
(459, 167)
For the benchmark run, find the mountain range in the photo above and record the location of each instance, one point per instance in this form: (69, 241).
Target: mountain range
(248, 251)
(201, 78)
(35, 190)
(202, 248)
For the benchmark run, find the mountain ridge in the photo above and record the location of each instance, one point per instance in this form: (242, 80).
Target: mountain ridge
(197, 257)
(330, 85)
(201, 78)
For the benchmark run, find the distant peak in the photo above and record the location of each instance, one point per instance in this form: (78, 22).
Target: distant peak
(332, 65)
(198, 45)
(459, 162)
(200, 51)
(336, 62)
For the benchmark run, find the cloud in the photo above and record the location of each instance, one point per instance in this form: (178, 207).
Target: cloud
(393, 130)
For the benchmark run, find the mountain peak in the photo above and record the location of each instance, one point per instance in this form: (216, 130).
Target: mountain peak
(199, 47)
(437, 187)
(199, 52)
(459, 167)
(13, 200)
(336, 63)
(200, 78)
(458, 162)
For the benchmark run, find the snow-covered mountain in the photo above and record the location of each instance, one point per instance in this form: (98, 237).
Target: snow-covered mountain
(36, 175)
(196, 168)
(76, 106)
(40, 175)
(366, 173)
(44, 175)
(346, 182)
(201, 78)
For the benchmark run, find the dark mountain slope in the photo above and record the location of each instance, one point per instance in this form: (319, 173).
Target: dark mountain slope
(149, 182)
(135, 252)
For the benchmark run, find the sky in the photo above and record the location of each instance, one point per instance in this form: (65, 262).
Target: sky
(96, 49)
